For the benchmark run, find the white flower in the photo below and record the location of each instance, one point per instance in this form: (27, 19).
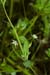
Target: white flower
(14, 42)
(35, 36)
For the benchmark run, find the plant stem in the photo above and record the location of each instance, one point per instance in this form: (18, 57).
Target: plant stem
(24, 8)
(14, 30)
(34, 71)
(28, 29)
(11, 9)
(25, 71)
(36, 50)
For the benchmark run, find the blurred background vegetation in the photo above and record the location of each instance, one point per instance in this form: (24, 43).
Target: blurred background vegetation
(24, 37)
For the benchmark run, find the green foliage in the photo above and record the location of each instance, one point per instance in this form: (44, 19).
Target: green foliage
(24, 33)
(47, 27)
(1, 34)
(28, 64)
(48, 52)
(25, 48)
(40, 4)
(7, 68)
(22, 24)
(43, 6)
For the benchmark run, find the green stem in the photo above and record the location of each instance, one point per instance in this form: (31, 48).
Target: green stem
(36, 51)
(11, 8)
(24, 8)
(41, 60)
(17, 37)
(34, 71)
(28, 29)
(25, 71)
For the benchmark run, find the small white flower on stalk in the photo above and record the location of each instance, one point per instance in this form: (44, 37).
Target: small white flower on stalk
(14, 42)
(35, 36)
